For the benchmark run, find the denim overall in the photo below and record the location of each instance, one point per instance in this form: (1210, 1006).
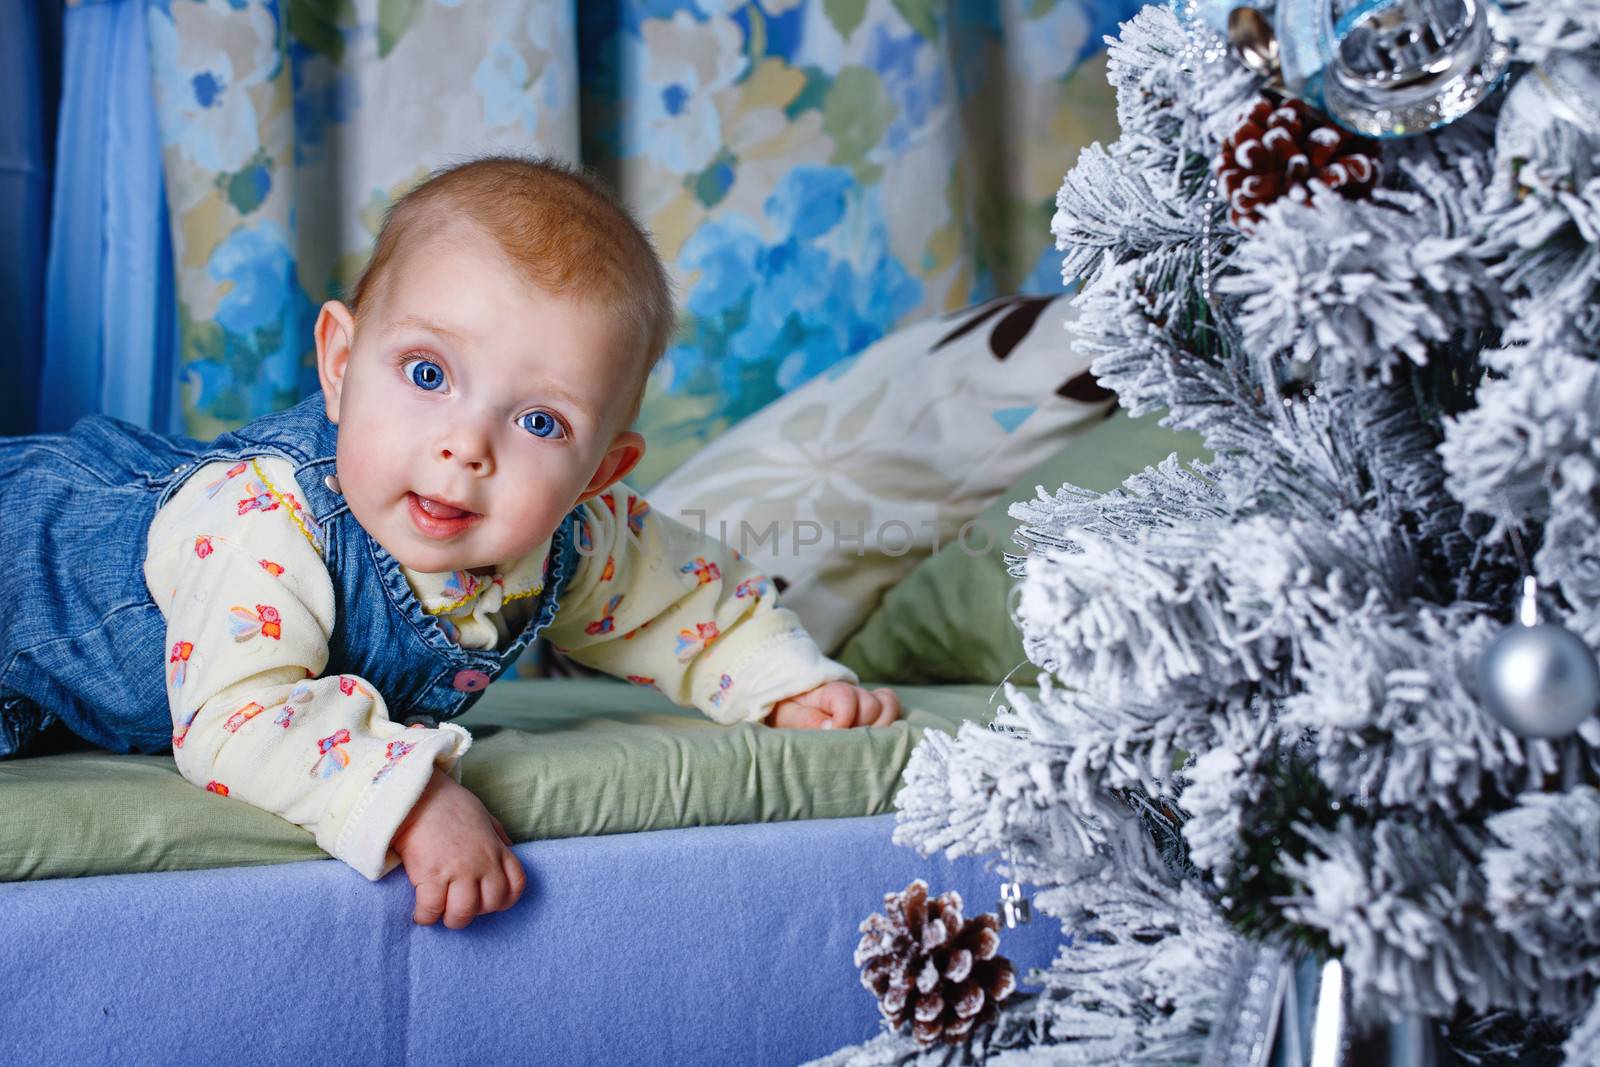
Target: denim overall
(83, 644)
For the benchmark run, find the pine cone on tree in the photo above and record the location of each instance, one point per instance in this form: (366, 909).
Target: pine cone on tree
(928, 965)
(1280, 149)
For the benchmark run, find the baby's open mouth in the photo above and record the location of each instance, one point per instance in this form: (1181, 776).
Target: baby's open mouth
(435, 518)
(440, 510)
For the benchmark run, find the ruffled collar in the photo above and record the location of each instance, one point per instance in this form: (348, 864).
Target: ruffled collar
(455, 594)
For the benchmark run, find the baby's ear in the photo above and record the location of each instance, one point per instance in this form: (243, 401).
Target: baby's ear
(623, 455)
(335, 335)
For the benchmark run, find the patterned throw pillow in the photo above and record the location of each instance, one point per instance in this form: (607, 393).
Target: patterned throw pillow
(841, 487)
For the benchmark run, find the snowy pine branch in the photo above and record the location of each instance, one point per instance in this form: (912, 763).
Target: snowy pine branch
(1262, 714)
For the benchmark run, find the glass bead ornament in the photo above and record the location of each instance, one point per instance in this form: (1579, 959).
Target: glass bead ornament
(1538, 679)
(1382, 68)
(1393, 68)
(1015, 909)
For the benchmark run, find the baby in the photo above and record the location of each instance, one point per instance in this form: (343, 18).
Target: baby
(298, 606)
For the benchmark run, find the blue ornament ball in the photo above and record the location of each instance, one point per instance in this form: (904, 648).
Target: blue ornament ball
(1539, 681)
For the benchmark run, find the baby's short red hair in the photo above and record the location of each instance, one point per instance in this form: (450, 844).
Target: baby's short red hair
(564, 229)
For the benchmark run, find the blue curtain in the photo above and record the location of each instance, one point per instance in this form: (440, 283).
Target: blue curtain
(880, 154)
(109, 303)
(30, 35)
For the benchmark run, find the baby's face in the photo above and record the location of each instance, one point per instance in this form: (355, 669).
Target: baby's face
(474, 409)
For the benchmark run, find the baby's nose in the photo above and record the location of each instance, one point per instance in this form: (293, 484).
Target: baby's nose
(472, 454)
(468, 459)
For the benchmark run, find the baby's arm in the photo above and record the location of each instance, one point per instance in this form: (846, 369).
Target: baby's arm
(234, 563)
(457, 855)
(661, 604)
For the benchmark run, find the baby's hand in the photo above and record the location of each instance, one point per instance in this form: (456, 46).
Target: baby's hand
(836, 706)
(457, 855)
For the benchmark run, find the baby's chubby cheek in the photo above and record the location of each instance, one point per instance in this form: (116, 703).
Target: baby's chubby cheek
(372, 465)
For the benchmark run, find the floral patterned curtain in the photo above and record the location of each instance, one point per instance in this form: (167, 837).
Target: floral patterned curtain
(815, 172)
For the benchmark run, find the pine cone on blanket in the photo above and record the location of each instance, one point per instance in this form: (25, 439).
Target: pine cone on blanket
(928, 965)
(1280, 148)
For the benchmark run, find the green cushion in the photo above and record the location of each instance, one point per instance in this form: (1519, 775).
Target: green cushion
(949, 620)
(551, 758)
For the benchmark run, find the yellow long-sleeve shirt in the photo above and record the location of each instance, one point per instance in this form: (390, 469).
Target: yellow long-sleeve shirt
(250, 606)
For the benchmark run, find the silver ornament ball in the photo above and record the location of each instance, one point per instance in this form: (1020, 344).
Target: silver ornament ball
(1539, 681)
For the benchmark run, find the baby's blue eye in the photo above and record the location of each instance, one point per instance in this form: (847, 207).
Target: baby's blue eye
(541, 424)
(425, 374)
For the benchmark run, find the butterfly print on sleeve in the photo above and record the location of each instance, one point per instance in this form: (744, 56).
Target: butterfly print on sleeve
(692, 642)
(703, 572)
(333, 758)
(264, 621)
(233, 472)
(606, 623)
(393, 753)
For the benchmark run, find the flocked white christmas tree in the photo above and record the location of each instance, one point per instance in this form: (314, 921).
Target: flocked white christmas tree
(1281, 707)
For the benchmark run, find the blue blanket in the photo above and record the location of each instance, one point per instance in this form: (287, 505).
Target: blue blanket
(707, 945)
